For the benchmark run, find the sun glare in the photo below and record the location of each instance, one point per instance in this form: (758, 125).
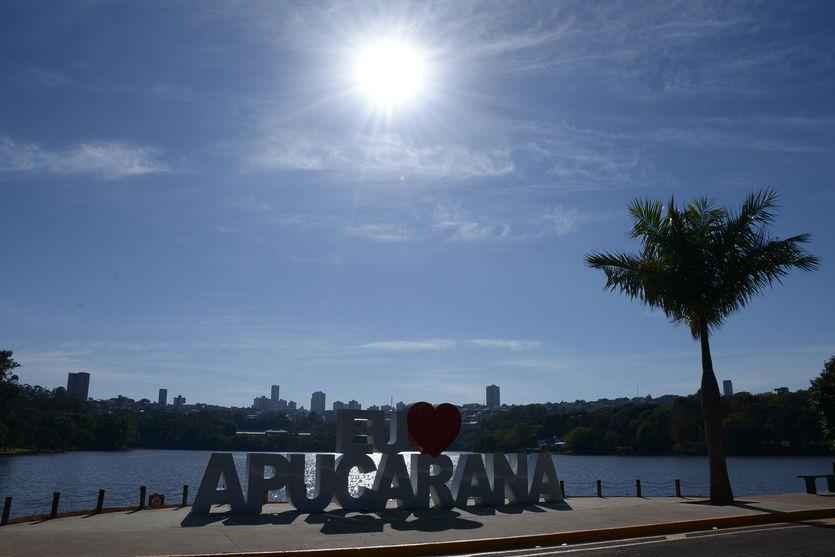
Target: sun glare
(390, 73)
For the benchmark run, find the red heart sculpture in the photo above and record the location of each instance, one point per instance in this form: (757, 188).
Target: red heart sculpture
(433, 428)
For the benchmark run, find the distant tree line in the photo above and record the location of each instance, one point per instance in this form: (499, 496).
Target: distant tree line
(777, 423)
(35, 418)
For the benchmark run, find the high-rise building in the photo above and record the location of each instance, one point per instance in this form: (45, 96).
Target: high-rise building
(163, 397)
(262, 403)
(354, 405)
(400, 406)
(274, 396)
(78, 384)
(728, 388)
(179, 401)
(339, 405)
(493, 399)
(317, 402)
(291, 406)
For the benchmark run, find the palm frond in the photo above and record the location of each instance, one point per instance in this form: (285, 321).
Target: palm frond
(701, 263)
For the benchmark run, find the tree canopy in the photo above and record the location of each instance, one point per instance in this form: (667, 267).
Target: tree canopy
(822, 399)
(700, 263)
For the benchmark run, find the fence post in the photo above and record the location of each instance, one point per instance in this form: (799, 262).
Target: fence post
(185, 495)
(562, 487)
(637, 488)
(599, 488)
(56, 496)
(100, 502)
(678, 488)
(7, 509)
(142, 491)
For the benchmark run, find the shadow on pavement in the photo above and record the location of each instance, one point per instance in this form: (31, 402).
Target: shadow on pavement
(350, 522)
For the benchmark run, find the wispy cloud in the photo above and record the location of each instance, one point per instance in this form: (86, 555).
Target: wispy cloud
(388, 155)
(285, 150)
(441, 344)
(505, 344)
(107, 159)
(458, 226)
(47, 78)
(433, 345)
(380, 232)
(449, 222)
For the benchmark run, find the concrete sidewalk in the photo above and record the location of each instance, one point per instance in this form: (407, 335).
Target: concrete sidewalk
(177, 532)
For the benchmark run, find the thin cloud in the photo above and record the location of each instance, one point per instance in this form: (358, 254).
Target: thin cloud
(47, 78)
(380, 232)
(443, 344)
(389, 156)
(459, 226)
(107, 159)
(505, 344)
(430, 345)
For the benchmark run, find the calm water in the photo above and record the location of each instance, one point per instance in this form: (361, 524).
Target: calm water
(30, 480)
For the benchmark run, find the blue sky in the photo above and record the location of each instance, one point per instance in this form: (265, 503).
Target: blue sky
(196, 196)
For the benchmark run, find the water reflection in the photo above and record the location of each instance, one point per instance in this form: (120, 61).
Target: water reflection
(31, 479)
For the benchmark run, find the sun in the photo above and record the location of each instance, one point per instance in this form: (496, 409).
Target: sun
(390, 73)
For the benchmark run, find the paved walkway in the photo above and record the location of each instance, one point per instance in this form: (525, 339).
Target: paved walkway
(176, 531)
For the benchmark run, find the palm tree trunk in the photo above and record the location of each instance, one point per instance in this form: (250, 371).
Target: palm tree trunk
(720, 484)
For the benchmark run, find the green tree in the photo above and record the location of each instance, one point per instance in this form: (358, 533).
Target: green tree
(822, 400)
(9, 393)
(7, 364)
(698, 265)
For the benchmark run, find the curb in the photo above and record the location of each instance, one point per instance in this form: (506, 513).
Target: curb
(532, 541)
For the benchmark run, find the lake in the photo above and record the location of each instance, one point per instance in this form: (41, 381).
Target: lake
(31, 479)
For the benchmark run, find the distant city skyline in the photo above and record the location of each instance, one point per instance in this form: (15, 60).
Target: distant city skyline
(262, 403)
(224, 209)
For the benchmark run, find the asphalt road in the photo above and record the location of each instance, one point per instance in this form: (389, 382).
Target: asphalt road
(809, 538)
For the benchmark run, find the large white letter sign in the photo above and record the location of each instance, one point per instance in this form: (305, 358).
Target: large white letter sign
(508, 476)
(392, 482)
(427, 485)
(323, 490)
(344, 464)
(398, 440)
(368, 425)
(488, 479)
(542, 478)
(220, 465)
(470, 480)
(258, 483)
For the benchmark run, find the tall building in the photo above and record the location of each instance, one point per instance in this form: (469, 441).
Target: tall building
(163, 397)
(262, 403)
(727, 387)
(274, 396)
(317, 402)
(493, 400)
(339, 405)
(179, 401)
(291, 406)
(354, 405)
(78, 384)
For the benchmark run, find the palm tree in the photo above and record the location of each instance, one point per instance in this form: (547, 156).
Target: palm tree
(698, 265)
